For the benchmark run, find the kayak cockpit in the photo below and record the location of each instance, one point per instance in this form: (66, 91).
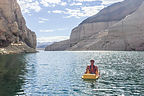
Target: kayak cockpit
(90, 76)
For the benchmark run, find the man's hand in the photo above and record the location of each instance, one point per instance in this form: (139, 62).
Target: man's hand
(87, 70)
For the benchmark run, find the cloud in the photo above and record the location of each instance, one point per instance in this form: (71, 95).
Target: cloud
(75, 4)
(70, 12)
(47, 2)
(52, 39)
(108, 2)
(73, 13)
(92, 10)
(80, 9)
(84, 11)
(48, 30)
(52, 3)
(49, 11)
(51, 30)
(63, 3)
(57, 11)
(86, 0)
(28, 5)
(80, 12)
(42, 20)
(61, 29)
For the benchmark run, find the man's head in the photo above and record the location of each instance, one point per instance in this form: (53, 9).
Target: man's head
(92, 61)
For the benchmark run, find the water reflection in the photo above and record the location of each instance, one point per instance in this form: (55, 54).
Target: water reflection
(91, 82)
(12, 70)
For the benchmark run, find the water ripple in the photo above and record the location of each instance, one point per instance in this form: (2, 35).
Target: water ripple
(59, 74)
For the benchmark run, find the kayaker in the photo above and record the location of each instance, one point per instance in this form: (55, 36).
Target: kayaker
(92, 69)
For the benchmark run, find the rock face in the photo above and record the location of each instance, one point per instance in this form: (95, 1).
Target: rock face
(119, 27)
(13, 28)
(104, 19)
(115, 12)
(58, 46)
(127, 34)
(86, 30)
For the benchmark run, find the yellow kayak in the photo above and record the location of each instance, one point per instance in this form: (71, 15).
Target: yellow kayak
(90, 76)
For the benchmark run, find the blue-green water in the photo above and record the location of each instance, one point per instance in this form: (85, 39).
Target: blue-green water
(59, 74)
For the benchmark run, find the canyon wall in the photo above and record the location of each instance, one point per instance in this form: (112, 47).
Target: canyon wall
(13, 27)
(118, 27)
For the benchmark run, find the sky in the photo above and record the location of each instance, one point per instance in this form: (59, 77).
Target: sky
(53, 20)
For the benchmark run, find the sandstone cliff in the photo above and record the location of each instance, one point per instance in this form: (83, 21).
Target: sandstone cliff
(104, 19)
(118, 27)
(127, 34)
(13, 28)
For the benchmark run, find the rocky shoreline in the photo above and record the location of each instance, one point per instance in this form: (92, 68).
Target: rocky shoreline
(15, 48)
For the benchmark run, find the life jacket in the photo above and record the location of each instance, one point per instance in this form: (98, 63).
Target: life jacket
(94, 69)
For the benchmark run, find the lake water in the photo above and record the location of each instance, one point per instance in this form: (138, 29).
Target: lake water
(59, 74)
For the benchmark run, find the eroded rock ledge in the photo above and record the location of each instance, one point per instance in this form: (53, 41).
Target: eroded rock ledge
(15, 48)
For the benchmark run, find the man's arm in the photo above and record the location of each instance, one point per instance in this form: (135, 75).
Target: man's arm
(97, 72)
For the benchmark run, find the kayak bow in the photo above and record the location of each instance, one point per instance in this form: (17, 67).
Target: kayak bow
(90, 76)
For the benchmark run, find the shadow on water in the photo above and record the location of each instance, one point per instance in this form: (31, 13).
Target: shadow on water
(12, 70)
(91, 82)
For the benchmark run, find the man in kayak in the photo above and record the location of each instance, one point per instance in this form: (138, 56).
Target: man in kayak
(92, 69)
